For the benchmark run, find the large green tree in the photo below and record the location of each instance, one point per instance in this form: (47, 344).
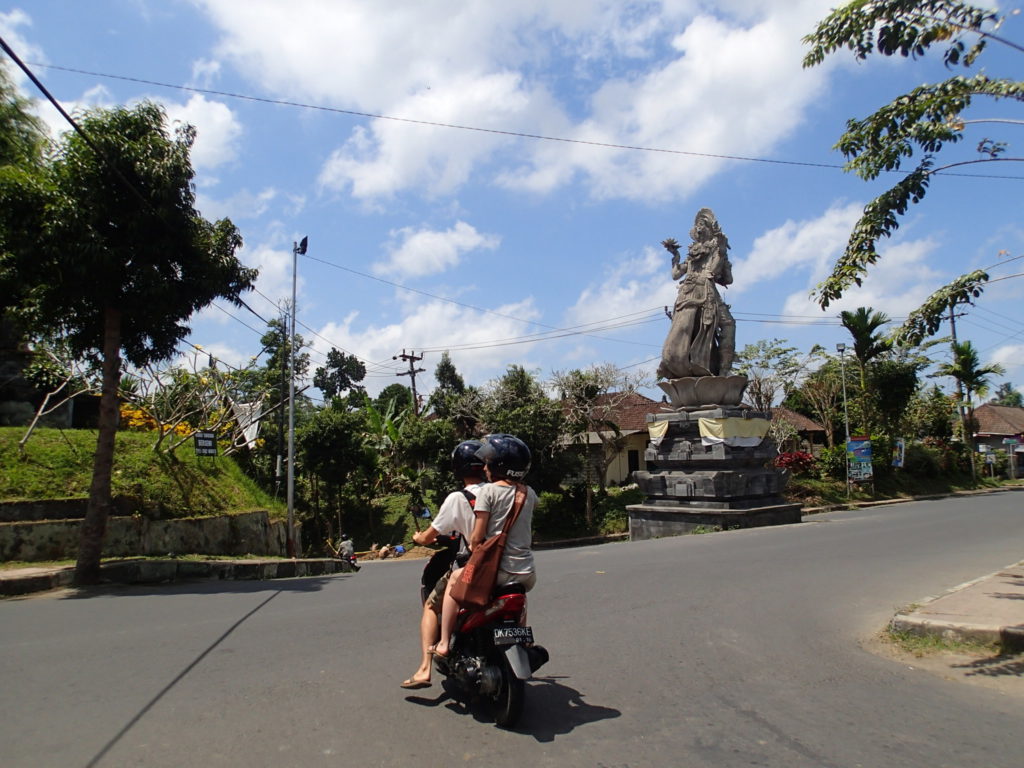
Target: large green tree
(112, 255)
(865, 327)
(922, 122)
(972, 377)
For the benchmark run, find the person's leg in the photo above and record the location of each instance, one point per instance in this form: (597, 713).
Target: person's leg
(449, 613)
(428, 636)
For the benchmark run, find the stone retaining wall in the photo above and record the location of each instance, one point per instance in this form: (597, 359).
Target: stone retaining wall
(247, 533)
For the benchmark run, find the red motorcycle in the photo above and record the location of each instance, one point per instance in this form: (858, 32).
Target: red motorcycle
(492, 654)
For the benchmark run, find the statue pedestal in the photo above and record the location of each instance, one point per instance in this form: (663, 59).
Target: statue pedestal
(690, 484)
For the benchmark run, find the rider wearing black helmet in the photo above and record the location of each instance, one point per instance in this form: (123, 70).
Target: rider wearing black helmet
(506, 461)
(454, 519)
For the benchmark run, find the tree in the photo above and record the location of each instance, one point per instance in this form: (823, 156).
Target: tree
(114, 257)
(821, 391)
(21, 133)
(924, 120)
(591, 399)
(396, 396)
(972, 376)
(868, 343)
(342, 373)
(517, 404)
(770, 367)
(1007, 395)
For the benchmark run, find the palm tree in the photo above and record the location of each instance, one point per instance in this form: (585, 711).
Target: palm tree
(966, 368)
(868, 343)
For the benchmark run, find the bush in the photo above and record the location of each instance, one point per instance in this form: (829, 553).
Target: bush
(831, 463)
(921, 461)
(797, 462)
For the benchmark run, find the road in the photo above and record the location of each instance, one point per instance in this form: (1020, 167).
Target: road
(727, 649)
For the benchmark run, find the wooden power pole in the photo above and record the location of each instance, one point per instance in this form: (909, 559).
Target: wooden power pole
(411, 373)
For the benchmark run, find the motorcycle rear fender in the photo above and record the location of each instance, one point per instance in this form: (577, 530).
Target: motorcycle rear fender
(519, 661)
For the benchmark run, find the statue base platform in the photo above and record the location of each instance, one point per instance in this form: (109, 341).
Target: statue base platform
(654, 521)
(692, 483)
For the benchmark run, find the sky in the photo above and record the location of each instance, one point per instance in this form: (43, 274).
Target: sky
(494, 179)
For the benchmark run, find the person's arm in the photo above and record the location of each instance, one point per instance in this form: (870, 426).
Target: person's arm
(425, 537)
(479, 535)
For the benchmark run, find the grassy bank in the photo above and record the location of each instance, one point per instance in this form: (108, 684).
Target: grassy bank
(58, 464)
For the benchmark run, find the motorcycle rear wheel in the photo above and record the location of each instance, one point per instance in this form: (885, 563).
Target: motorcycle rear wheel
(507, 701)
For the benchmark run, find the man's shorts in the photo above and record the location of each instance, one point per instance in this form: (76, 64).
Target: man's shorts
(436, 596)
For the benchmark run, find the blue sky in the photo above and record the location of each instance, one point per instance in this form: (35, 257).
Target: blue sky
(431, 238)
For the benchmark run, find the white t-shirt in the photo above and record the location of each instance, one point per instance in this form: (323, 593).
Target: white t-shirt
(456, 514)
(497, 500)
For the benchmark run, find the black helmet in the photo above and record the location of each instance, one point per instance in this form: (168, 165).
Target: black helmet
(506, 455)
(465, 460)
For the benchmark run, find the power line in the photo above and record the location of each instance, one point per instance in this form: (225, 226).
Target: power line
(478, 129)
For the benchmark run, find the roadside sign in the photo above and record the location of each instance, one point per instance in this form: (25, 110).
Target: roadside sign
(206, 443)
(1011, 441)
(858, 459)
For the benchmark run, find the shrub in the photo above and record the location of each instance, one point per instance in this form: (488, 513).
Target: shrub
(797, 462)
(831, 463)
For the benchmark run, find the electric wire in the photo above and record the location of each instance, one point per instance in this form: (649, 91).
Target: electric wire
(479, 129)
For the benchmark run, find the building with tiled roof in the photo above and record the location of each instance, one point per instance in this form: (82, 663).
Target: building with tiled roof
(630, 415)
(995, 423)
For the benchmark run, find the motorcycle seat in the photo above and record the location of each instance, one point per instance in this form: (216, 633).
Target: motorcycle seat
(515, 588)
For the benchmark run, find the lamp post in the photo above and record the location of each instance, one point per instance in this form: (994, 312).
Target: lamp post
(841, 349)
(297, 248)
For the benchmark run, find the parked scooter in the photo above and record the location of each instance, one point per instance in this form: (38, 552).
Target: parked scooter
(492, 654)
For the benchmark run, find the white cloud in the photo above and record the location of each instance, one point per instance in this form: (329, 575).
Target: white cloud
(217, 130)
(728, 85)
(423, 325)
(1011, 357)
(244, 204)
(811, 246)
(634, 286)
(425, 252)
(9, 30)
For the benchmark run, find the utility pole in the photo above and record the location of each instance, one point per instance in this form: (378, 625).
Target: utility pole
(968, 441)
(298, 248)
(411, 373)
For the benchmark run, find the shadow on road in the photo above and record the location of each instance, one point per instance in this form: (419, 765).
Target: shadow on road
(205, 587)
(552, 709)
(1003, 665)
(180, 676)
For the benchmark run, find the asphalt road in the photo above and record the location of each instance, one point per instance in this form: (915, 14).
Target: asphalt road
(729, 649)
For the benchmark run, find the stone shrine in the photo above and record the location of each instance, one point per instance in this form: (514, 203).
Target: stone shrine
(708, 461)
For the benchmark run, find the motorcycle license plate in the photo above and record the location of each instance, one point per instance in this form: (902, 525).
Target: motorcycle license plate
(513, 635)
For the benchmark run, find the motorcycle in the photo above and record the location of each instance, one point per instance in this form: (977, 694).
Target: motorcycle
(492, 653)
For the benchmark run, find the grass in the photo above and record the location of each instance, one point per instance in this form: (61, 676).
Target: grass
(58, 464)
(927, 645)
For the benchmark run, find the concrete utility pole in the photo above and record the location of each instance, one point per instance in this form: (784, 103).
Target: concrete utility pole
(297, 249)
(411, 373)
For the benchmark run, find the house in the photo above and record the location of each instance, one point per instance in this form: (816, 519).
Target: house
(629, 413)
(810, 436)
(995, 423)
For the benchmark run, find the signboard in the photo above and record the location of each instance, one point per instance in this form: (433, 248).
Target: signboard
(206, 443)
(1011, 441)
(858, 459)
(899, 452)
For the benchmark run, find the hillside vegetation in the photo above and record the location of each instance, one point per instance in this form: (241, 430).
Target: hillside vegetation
(58, 464)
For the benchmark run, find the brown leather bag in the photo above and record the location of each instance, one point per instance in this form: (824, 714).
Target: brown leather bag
(473, 587)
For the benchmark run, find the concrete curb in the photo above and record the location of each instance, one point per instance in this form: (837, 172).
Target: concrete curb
(28, 580)
(979, 617)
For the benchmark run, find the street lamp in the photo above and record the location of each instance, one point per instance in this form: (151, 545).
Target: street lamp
(841, 349)
(297, 248)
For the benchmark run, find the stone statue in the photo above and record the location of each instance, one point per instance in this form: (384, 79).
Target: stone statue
(702, 339)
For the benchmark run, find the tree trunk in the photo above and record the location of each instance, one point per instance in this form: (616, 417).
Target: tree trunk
(90, 541)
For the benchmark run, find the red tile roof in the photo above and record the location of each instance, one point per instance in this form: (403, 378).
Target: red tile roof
(630, 413)
(998, 420)
(798, 420)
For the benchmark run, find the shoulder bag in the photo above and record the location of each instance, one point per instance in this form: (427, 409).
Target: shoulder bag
(475, 583)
